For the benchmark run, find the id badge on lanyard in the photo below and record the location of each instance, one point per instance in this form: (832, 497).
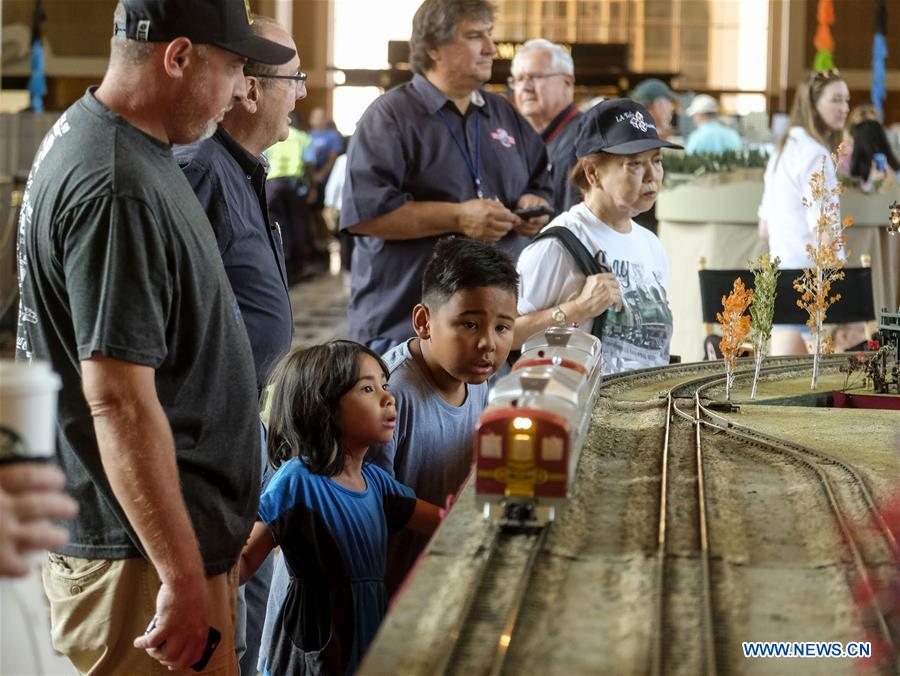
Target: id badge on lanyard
(474, 167)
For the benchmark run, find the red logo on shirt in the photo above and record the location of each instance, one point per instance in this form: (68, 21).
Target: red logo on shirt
(506, 139)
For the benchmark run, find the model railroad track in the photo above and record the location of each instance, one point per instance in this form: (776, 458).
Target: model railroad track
(662, 646)
(480, 641)
(840, 482)
(713, 368)
(828, 471)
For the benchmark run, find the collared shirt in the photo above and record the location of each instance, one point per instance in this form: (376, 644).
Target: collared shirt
(230, 183)
(559, 137)
(402, 151)
(713, 137)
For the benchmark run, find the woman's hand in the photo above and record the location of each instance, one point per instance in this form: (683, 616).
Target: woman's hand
(599, 293)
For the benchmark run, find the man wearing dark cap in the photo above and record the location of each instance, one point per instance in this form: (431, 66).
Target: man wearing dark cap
(435, 156)
(658, 98)
(123, 292)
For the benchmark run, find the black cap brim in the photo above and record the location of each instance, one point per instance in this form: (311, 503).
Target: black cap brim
(639, 146)
(259, 49)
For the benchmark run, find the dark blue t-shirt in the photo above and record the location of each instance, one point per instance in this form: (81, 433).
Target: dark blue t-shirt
(321, 145)
(402, 150)
(334, 541)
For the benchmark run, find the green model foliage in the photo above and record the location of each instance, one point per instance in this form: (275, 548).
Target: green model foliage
(714, 163)
(765, 278)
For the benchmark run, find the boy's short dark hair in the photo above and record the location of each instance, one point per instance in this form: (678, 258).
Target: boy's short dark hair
(459, 263)
(435, 24)
(306, 389)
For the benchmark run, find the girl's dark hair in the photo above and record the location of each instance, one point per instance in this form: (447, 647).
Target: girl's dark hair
(434, 24)
(306, 387)
(869, 138)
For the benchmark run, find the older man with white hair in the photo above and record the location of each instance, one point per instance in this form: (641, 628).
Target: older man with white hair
(543, 82)
(710, 136)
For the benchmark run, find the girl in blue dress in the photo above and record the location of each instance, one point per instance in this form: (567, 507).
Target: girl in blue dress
(330, 512)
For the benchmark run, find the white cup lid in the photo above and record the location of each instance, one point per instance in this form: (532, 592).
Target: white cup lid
(24, 378)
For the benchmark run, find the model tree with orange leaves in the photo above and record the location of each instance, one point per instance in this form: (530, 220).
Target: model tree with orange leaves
(825, 255)
(735, 328)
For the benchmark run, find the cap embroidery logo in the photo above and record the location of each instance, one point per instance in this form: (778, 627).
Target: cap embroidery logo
(143, 30)
(637, 121)
(249, 13)
(506, 139)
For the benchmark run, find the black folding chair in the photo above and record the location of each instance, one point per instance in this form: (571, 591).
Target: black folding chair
(857, 303)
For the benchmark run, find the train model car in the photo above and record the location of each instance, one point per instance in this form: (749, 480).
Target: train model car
(529, 437)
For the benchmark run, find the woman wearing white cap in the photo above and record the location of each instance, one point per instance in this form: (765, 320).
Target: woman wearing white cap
(619, 172)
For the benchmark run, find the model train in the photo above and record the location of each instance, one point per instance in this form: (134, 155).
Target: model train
(529, 438)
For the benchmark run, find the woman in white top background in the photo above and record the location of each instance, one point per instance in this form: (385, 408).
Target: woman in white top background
(619, 172)
(821, 106)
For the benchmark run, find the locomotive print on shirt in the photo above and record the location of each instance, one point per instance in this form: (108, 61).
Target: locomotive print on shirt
(643, 327)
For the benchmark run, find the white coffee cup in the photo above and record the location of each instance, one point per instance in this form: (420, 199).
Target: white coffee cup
(28, 398)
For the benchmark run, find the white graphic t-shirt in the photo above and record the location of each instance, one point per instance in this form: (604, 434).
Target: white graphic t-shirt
(638, 335)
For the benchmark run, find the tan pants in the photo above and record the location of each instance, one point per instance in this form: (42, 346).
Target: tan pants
(99, 606)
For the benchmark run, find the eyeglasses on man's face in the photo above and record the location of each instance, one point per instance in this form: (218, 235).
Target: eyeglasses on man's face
(299, 78)
(519, 80)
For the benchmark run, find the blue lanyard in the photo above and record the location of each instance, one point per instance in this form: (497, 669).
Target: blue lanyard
(474, 170)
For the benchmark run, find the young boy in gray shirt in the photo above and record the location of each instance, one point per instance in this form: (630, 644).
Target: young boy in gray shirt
(464, 329)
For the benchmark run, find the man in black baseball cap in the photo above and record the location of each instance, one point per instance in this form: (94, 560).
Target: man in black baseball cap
(125, 295)
(618, 127)
(225, 24)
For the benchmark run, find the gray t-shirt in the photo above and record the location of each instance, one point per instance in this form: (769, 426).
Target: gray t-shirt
(432, 447)
(117, 257)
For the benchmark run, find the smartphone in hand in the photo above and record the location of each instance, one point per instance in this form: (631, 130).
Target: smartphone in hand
(533, 212)
(213, 638)
(212, 642)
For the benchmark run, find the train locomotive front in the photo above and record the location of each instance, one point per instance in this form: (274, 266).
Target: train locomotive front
(529, 438)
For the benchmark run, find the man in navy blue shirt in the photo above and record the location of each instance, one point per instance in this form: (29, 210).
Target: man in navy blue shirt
(437, 155)
(228, 175)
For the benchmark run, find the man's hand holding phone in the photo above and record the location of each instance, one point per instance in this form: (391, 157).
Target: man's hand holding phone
(534, 213)
(179, 634)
